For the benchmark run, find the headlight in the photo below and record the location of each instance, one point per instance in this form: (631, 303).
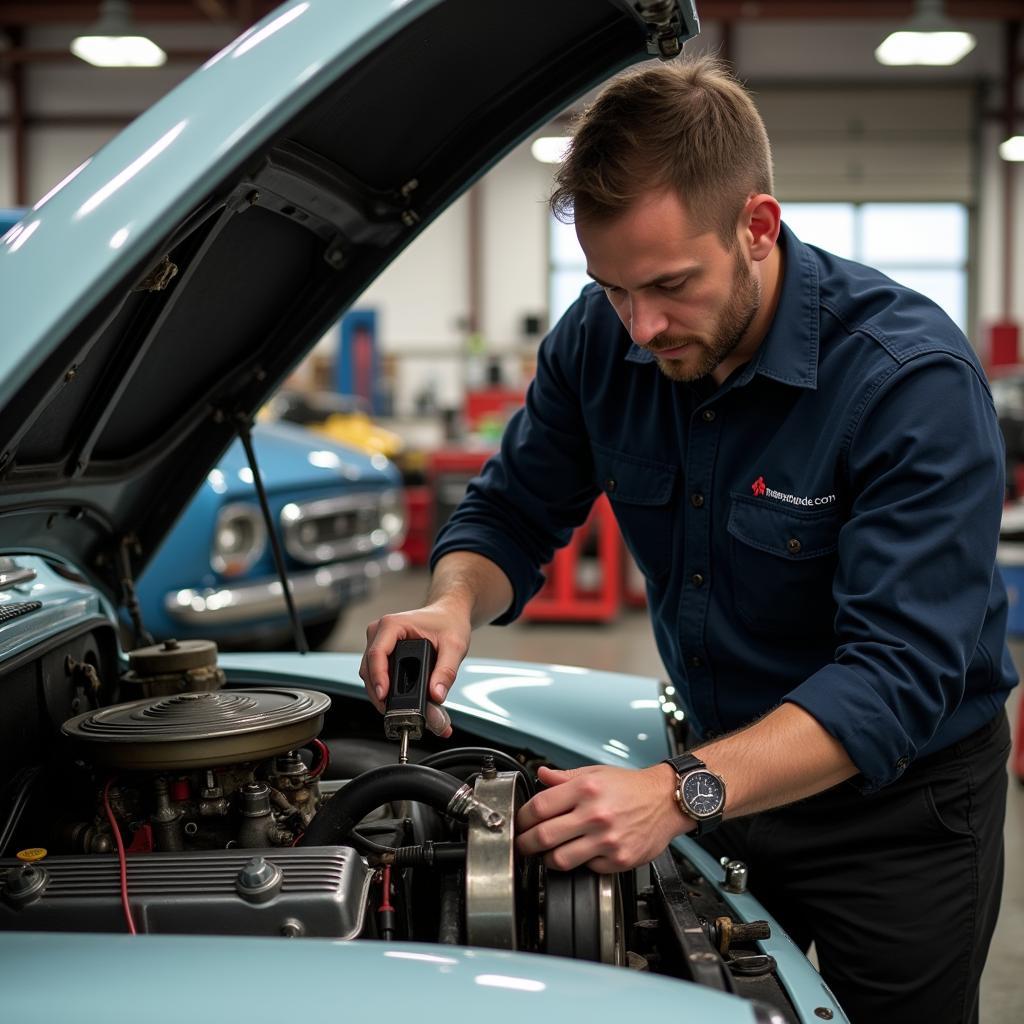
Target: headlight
(239, 540)
(392, 516)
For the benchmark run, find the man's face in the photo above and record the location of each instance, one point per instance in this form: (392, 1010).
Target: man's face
(681, 294)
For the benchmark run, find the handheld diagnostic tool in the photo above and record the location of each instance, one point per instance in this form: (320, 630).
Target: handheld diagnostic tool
(405, 713)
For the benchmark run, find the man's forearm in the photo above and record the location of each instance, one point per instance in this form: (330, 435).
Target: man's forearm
(786, 756)
(472, 583)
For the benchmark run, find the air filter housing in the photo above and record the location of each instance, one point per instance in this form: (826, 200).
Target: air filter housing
(199, 730)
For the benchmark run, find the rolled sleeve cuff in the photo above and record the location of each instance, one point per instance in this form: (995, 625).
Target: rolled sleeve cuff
(853, 713)
(525, 579)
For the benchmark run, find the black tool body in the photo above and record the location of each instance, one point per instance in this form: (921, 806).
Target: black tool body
(409, 668)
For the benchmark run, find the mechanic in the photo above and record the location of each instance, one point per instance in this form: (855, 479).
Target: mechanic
(804, 460)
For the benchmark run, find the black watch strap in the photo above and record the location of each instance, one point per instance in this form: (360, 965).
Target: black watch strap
(683, 764)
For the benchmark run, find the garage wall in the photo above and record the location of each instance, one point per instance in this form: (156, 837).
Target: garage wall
(864, 132)
(867, 143)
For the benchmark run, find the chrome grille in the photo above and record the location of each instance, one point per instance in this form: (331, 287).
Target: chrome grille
(333, 529)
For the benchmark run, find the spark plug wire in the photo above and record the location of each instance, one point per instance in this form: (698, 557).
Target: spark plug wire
(386, 912)
(324, 761)
(122, 859)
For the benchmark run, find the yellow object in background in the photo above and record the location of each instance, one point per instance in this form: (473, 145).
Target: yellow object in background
(338, 417)
(359, 431)
(31, 855)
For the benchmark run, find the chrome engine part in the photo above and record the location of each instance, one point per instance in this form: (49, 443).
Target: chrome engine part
(492, 881)
(312, 891)
(582, 911)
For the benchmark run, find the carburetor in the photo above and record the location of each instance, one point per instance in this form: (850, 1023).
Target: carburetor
(202, 770)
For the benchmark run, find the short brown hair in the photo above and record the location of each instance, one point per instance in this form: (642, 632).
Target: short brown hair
(688, 125)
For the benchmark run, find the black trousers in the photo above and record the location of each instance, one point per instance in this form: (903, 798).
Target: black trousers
(899, 890)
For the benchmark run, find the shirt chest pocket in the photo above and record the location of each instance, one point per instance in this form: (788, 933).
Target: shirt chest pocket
(782, 563)
(640, 491)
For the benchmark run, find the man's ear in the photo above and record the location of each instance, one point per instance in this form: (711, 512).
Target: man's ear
(761, 222)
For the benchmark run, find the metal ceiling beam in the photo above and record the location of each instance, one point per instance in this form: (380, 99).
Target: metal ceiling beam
(43, 12)
(860, 10)
(215, 10)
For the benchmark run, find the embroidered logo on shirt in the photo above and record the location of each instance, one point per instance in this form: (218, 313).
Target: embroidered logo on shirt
(761, 489)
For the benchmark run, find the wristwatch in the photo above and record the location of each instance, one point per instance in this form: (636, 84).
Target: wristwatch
(700, 793)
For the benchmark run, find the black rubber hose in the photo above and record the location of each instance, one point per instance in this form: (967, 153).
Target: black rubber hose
(450, 924)
(337, 818)
(471, 757)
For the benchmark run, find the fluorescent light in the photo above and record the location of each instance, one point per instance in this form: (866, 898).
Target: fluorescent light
(114, 42)
(929, 38)
(550, 149)
(1012, 148)
(937, 49)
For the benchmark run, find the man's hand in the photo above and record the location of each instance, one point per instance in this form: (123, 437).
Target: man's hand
(446, 630)
(466, 590)
(610, 818)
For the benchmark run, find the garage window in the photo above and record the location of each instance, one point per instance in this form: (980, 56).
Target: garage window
(921, 245)
(567, 272)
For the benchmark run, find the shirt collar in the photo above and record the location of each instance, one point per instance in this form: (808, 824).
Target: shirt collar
(789, 352)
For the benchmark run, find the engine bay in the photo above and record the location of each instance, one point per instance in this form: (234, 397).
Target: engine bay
(161, 800)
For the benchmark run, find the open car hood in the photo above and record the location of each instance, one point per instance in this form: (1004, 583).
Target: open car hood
(158, 295)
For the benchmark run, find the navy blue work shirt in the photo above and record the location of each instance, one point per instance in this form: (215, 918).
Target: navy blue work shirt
(820, 529)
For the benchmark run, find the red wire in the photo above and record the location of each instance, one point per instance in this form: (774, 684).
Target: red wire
(385, 885)
(121, 857)
(325, 759)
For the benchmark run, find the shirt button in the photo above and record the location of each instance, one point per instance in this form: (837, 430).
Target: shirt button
(697, 579)
(793, 546)
(696, 661)
(697, 500)
(708, 415)
(610, 485)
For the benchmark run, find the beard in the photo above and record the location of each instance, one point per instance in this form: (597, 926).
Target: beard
(728, 331)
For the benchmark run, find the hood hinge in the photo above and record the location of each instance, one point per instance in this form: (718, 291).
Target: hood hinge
(666, 29)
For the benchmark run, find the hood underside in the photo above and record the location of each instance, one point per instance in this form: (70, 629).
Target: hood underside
(115, 409)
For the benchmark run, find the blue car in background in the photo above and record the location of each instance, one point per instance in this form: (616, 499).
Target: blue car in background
(202, 836)
(340, 517)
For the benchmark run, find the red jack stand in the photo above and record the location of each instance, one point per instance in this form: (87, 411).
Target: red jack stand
(1018, 746)
(567, 596)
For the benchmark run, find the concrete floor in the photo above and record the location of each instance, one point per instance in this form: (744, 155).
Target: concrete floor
(628, 646)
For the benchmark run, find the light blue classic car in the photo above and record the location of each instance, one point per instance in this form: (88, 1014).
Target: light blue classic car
(188, 835)
(340, 518)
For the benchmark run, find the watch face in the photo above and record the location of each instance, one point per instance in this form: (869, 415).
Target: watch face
(703, 793)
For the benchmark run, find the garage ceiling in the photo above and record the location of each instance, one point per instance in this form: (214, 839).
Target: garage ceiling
(244, 12)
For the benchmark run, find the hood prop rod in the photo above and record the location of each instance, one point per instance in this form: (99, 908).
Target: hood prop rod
(245, 433)
(129, 598)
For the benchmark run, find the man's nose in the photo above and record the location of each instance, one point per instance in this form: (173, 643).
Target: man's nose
(646, 321)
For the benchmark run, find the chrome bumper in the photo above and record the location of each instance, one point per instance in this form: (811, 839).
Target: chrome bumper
(322, 589)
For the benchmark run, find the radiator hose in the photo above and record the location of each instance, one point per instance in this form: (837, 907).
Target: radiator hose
(338, 816)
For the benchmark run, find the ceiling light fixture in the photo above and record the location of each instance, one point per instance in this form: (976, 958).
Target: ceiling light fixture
(1013, 148)
(550, 149)
(929, 38)
(114, 41)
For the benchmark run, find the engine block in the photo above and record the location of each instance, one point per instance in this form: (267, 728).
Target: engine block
(311, 891)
